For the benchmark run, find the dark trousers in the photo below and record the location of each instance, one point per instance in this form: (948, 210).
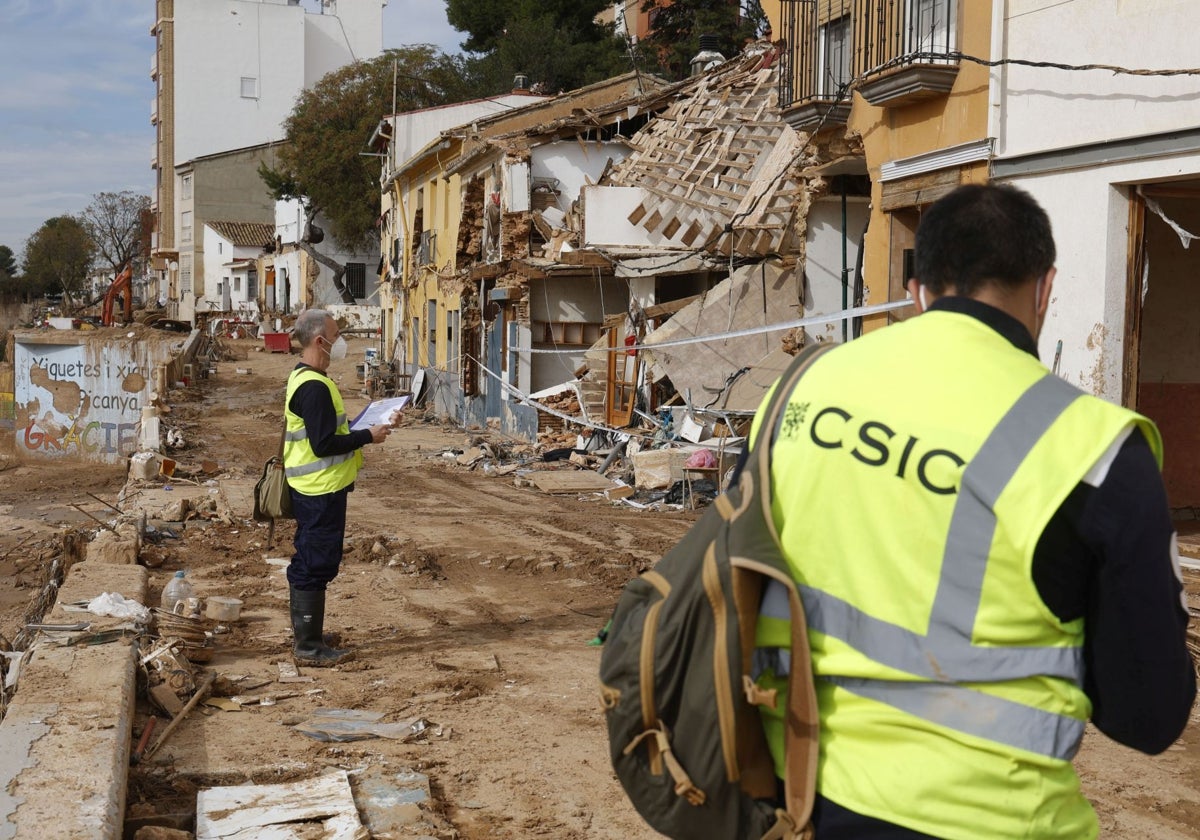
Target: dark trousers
(320, 530)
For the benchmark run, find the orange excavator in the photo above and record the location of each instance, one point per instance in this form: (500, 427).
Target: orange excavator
(123, 283)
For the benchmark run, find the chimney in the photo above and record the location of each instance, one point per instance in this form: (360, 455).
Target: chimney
(708, 56)
(520, 83)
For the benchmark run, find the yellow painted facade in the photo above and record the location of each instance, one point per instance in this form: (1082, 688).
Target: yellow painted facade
(423, 201)
(900, 130)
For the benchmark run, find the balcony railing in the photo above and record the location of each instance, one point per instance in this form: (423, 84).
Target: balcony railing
(892, 52)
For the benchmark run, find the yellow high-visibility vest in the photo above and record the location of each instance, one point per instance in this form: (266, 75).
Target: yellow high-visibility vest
(914, 471)
(306, 473)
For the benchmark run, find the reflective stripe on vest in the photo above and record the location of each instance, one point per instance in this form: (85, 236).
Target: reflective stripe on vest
(946, 655)
(318, 465)
(306, 472)
(302, 432)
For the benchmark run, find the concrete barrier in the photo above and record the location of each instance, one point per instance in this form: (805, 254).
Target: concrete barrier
(65, 741)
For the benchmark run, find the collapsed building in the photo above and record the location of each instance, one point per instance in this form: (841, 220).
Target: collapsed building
(610, 242)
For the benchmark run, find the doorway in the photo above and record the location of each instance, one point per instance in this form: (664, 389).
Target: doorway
(1162, 365)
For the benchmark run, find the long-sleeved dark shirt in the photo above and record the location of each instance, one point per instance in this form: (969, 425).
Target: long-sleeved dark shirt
(1107, 555)
(312, 403)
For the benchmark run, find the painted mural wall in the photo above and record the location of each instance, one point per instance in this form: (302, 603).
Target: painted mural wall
(82, 399)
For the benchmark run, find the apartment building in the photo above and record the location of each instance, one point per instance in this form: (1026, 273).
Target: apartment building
(226, 75)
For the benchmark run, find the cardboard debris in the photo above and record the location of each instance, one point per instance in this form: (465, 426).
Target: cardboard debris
(658, 469)
(574, 481)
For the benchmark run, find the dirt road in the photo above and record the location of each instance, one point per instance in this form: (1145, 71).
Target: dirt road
(469, 601)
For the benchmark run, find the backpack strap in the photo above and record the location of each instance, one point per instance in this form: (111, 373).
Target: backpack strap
(802, 722)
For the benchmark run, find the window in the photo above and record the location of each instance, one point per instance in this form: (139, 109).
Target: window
(185, 226)
(431, 324)
(237, 284)
(931, 25)
(835, 57)
(185, 187)
(356, 279)
(252, 284)
(185, 274)
(220, 247)
(453, 317)
(249, 87)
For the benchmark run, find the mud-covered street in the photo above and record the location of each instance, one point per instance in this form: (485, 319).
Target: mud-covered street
(470, 602)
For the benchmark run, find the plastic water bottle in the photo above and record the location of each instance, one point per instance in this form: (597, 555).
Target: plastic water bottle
(176, 590)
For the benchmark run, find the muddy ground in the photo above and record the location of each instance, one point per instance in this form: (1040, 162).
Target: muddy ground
(469, 600)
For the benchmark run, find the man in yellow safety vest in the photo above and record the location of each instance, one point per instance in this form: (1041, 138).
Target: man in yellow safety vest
(321, 459)
(984, 552)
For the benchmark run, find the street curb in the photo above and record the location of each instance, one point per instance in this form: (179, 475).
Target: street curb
(65, 740)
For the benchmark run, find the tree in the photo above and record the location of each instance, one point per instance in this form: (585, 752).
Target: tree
(9, 287)
(58, 257)
(555, 43)
(321, 164)
(679, 24)
(486, 21)
(555, 57)
(116, 224)
(8, 261)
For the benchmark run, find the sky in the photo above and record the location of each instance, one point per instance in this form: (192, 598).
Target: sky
(75, 107)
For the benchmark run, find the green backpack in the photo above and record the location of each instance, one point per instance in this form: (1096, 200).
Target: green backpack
(684, 730)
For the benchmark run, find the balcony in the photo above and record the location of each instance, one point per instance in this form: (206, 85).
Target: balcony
(909, 50)
(816, 69)
(154, 110)
(154, 66)
(893, 52)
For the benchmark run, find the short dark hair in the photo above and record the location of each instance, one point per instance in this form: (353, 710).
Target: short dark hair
(983, 234)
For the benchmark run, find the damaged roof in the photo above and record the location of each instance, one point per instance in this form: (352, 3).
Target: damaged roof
(597, 105)
(249, 234)
(721, 166)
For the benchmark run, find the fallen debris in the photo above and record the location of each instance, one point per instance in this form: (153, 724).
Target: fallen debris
(283, 811)
(342, 725)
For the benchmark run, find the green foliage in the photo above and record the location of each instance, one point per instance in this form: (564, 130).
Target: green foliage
(679, 25)
(331, 123)
(555, 59)
(117, 224)
(556, 43)
(58, 257)
(10, 284)
(8, 261)
(488, 22)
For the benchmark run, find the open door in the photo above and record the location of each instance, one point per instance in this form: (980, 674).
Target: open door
(1162, 362)
(622, 380)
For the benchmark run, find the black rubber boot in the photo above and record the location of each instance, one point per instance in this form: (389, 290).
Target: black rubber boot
(308, 620)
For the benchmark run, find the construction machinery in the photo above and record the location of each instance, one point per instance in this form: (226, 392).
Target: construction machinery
(123, 286)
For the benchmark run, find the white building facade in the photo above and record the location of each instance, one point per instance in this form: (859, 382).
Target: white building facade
(1114, 158)
(227, 74)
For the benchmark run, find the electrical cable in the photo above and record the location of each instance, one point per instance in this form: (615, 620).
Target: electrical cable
(842, 315)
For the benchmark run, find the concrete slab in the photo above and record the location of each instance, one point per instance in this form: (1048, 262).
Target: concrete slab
(65, 740)
(64, 762)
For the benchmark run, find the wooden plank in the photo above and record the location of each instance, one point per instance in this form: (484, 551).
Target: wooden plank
(576, 481)
(289, 811)
(919, 189)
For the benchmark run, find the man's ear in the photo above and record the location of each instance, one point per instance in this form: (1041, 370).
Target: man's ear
(1047, 284)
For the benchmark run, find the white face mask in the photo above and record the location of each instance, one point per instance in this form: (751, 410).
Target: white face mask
(924, 302)
(337, 350)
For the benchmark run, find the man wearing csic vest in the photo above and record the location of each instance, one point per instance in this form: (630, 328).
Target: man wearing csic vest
(321, 458)
(984, 552)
